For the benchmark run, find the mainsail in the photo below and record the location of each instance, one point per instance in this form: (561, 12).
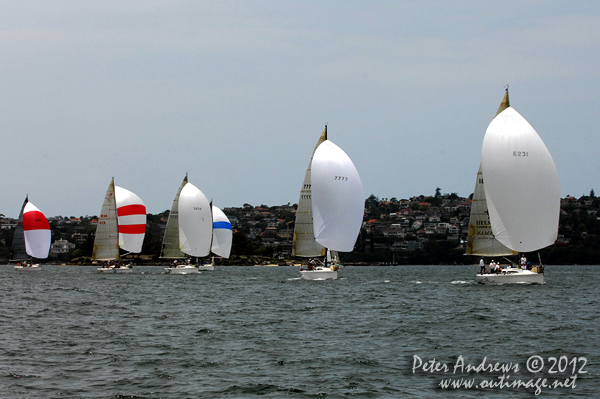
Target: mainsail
(222, 233)
(170, 244)
(18, 245)
(481, 240)
(106, 242)
(195, 222)
(304, 243)
(522, 187)
(337, 198)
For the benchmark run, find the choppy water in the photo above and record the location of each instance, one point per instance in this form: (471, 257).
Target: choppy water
(245, 332)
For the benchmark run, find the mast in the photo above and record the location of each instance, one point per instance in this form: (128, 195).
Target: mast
(505, 102)
(304, 243)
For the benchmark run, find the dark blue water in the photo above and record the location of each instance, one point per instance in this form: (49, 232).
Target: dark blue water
(249, 332)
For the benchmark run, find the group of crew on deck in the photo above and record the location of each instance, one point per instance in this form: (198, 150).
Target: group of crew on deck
(112, 264)
(496, 268)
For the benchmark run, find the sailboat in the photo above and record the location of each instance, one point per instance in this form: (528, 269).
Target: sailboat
(32, 237)
(121, 225)
(189, 230)
(330, 210)
(517, 209)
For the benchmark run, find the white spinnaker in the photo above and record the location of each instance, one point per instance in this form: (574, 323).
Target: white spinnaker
(195, 222)
(131, 217)
(338, 200)
(522, 187)
(222, 233)
(37, 232)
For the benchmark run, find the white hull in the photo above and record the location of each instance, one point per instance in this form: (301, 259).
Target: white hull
(206, 267)
(319, 274)
(120, 270)
(512, 276)
(28, 268)
(182, 270)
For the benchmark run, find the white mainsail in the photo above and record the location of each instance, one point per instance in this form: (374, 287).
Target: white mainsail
(337, 198)
(481, 240)
(170, 244)
(195, 222)
(222, 233)
(304, 243)
(106, 242)
(522, 188)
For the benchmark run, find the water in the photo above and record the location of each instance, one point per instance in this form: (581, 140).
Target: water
(246, 332)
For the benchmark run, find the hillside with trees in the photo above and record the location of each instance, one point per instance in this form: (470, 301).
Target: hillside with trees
(429, 230)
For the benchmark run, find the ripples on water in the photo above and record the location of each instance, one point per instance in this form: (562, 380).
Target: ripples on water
(242, 332)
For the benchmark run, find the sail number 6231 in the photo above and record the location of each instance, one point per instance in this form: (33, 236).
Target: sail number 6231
(520, 153)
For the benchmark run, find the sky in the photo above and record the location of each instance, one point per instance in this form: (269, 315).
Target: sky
(237, 93)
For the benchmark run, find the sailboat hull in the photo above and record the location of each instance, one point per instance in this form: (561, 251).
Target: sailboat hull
(320, 274)
(31, 268)
(187, 269)
(114, 270)
(512, 276)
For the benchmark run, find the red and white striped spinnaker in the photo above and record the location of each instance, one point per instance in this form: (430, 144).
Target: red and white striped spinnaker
(131, 218)
(37, 232)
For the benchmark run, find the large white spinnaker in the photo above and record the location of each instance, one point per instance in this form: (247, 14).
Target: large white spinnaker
(522, 188)
(304, 243)
(195, 222)
(337, 198)
(37, 232)
(131, 218)
(222, 233)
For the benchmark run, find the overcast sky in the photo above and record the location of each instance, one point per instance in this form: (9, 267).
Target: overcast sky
(237, 94)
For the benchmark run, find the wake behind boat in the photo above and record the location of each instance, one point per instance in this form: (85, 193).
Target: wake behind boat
(121, 225)
(518, 208)
(330, 210)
